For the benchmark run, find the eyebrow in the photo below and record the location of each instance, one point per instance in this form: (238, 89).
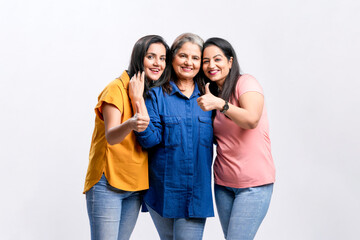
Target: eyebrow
(186, 54)
(214, 56)
(151, 53)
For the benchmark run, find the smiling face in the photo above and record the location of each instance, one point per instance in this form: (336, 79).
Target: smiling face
(187, 60)
(216, 66)
(155, 61)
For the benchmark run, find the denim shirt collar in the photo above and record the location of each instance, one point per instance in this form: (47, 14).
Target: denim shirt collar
(175, 90)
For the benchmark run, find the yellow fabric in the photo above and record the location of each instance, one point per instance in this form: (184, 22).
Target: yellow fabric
(125, 164)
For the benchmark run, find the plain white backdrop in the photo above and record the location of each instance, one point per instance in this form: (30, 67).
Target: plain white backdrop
(57, 56)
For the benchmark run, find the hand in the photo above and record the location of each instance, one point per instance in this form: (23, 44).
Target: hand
(136, 86)
(139, 122)
(208, 102)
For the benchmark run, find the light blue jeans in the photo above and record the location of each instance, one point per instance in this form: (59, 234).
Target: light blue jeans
(241, 210)
(112, 212)
(178, 228)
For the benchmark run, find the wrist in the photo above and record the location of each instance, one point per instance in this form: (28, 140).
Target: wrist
(220, 104)
(225, 107)
(136, 97)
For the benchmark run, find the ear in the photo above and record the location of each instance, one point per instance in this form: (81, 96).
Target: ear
(230, 62)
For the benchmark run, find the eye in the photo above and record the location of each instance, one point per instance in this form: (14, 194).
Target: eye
(150, 57)
(182, 55)
(206, 61)
(196, 58)
(163, 58)
(218, 59)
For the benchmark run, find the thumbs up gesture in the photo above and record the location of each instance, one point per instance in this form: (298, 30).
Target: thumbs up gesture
(139, 121)
(208, 101)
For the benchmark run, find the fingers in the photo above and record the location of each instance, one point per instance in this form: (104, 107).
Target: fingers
(137, 77)
(205, 102)
(133, 78)
(136, 86)
(207, 89)
(200, 103)
(142, 79)
(141, 123)
(143, 118)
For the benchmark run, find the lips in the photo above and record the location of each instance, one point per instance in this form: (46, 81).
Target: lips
(186, 69)
(154, 70)
(213, 72)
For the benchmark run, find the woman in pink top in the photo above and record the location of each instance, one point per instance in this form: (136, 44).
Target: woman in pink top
(244, 171)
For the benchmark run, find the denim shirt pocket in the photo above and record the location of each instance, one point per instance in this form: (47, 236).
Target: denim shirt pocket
(205, 131)
(172, 131)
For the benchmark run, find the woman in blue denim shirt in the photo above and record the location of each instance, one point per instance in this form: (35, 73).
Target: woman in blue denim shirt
(179, 139)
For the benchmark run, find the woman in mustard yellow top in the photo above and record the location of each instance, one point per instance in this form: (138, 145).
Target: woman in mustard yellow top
(118, 167)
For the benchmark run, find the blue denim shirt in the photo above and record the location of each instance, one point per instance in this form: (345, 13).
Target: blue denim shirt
(179, 139)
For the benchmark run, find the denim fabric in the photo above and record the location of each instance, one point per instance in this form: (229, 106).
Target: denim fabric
(112, 212)
(178, 228)
(241, 210)
(179, 138)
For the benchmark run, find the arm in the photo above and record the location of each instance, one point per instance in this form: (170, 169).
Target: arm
(136, 91)
(115, 130)
(246, 116)
(152, 135)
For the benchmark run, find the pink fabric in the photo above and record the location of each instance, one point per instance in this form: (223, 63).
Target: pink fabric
(243, 156)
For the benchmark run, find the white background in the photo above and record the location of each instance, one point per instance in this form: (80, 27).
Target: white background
(57, 56)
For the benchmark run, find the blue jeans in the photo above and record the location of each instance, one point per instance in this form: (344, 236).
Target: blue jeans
(112, 212)
(241, 210)
(178, 228)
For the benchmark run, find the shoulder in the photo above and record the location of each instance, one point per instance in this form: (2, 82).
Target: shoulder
(247, 83)
(115, 84)
(113, 88)
(157, 91)
(246, 79)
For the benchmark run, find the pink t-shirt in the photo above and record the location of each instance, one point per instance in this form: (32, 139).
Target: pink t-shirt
(243, 156)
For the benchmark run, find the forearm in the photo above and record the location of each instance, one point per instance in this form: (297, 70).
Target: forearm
(141, 101)
(117, 134)
(151, 137)
(247, 115)
(242, 117)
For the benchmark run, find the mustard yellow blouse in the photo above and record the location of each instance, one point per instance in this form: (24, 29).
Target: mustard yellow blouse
(125, 164)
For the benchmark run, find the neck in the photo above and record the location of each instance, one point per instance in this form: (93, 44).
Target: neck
(220, 84)
(186, 86)
(185, 83)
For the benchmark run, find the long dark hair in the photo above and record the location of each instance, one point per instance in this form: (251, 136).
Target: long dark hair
(229, 87)
(137, 60)
(178, 43)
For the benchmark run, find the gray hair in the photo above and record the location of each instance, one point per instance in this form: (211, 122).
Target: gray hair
(184, 38)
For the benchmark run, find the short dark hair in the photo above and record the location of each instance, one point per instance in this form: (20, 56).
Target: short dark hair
(229, 87)
(137, 60)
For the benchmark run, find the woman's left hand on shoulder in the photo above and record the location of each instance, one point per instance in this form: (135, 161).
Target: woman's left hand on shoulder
(136, 86)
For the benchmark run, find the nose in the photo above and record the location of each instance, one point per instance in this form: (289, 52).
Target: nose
(188, 61)
(156, 62)
(211, 64)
